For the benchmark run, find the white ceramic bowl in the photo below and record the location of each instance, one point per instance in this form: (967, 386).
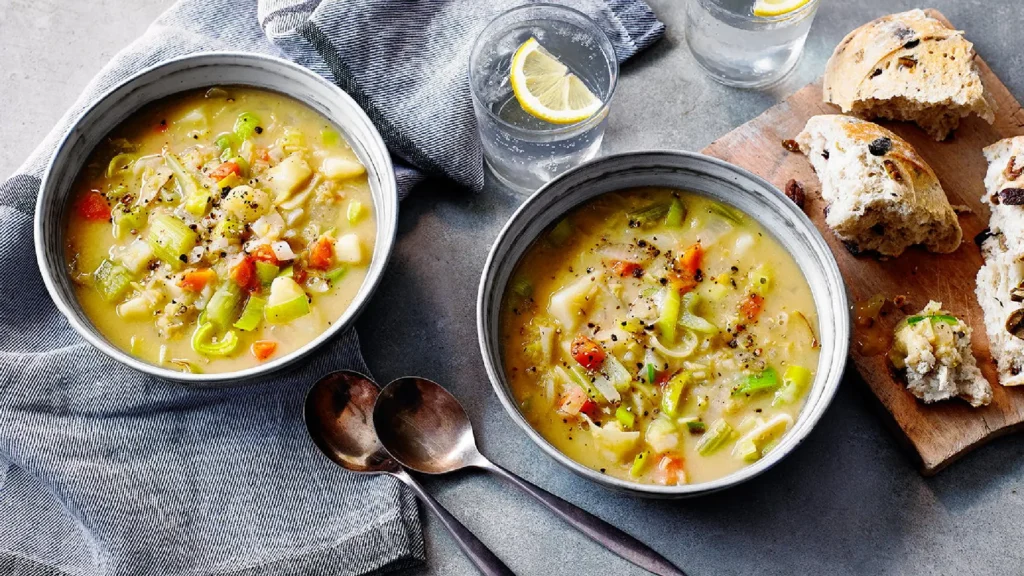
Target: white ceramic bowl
(715, 179)
(188, 73)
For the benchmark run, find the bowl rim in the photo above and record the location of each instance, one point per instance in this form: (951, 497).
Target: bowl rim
(386, 230)
(807, 421)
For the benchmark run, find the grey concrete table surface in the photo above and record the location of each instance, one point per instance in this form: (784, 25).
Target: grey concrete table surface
(849, 501)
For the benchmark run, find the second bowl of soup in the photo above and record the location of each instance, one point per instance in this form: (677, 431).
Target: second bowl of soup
(654, 322)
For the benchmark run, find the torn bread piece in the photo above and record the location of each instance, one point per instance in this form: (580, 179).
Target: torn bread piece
(908, 67)
(1000, 284)
(933, 347)
(882, 195)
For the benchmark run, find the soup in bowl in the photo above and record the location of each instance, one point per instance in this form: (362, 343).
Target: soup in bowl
(218, 229)
(660, 337)
(595, 217)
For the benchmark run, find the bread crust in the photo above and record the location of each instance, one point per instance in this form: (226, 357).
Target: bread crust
(908, 67)
(879, 200)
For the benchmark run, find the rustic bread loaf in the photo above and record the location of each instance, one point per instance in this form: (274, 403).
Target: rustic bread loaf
(908, 67)
(1000, 285)
(933, 348)
(882, 195)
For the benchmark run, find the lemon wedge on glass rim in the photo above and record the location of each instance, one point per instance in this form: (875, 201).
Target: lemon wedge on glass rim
(547, 90)
(777, 7)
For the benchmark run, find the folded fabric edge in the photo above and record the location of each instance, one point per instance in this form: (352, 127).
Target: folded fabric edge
(639, 22)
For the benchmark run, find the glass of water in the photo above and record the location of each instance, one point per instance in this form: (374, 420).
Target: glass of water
(739, 49)
(521, 150)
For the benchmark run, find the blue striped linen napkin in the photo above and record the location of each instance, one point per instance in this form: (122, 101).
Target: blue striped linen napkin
(106, 471)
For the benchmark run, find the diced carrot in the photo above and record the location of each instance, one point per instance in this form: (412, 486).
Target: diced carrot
(244, 274)
(320, 253)
(93, 206)
(588, 353)
(628, 269)
(751, 306)
(573, 401)
(670, 470)
(590, 408)
(263, 154)
(689, 261)
(224, 170)
(264, 253)
(263, 349)
(196, 280)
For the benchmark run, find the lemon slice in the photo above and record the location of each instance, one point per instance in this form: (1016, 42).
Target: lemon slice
(777, 7)
(547, 90)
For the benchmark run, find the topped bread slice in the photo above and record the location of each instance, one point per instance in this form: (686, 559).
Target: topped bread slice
(882, 195)
(908, 67)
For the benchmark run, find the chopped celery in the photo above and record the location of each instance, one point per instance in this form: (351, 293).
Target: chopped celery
(755, 383)
(252, 314)
(127, 219)
(111, 280)
(226, 154)
(246, 124)
(672, 393)
(639, 463)
(648, 215)
(650, 373)
(728, 212)
(287, 301)
(676, 214)
(293, 139)
(690, 319)
(760, 280)
(227, 141)
(266, 272)
(197, 198)
(714, 438)
(669, 316)
(696, 426)
(243, 165)
(754, 444)
(329, 137)
(230, 181)
(228, 227)
(336, 274)
(120, 163)
(221, 309)
(522, 287)
(795, 382)
(203, 341)
(560, 234)
(625, 417)
(578, 375)
(355, 211)
(287, 272)
(171, 239)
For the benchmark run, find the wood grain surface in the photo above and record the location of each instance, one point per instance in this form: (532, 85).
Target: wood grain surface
(939, 433)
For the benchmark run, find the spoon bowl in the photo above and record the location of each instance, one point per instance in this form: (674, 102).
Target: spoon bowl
(339, 417)
(424, 428)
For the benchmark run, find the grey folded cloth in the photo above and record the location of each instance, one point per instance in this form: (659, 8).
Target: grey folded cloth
(107, 471)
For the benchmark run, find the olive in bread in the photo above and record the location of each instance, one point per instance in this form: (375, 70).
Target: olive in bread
(882, 196)
(908, 67)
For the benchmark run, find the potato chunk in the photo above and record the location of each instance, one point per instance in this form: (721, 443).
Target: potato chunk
(285, 178)
(348, 249)
(337, 168)
(247, 203)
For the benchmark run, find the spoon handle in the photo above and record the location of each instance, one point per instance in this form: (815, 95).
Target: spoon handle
(477, 552)
(615, 540)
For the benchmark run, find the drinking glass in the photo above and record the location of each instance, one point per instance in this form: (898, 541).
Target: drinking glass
(739, 49)
(522, 151)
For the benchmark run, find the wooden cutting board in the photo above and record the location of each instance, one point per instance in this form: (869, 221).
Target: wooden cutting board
(939, 433)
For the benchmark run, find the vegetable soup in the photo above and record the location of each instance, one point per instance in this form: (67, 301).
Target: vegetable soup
(220, 228)
(660, 337)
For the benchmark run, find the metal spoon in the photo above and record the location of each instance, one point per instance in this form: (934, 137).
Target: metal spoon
(426, 429)
(338, 416)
